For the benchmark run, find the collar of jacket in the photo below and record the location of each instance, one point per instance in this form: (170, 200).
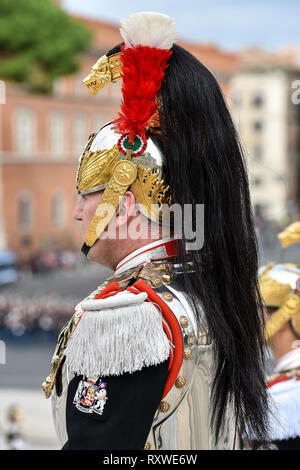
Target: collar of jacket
(160, 250)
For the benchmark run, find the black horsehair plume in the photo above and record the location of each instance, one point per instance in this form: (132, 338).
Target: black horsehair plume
(201, 146)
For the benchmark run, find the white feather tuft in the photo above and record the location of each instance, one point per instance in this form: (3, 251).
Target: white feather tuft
(148, 29)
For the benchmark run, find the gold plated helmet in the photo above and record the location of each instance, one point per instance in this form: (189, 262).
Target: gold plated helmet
(280, 287)
(103, 167)
(123, 154)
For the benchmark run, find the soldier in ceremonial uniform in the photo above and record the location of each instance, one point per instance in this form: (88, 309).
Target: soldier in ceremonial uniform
(167, 353)
(280, 289)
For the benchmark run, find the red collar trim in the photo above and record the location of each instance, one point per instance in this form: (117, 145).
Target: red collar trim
(281, 378)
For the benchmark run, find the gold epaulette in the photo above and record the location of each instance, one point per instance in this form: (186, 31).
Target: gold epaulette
(155, 275)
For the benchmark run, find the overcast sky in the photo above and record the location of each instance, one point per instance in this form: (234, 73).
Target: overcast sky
(230, 24)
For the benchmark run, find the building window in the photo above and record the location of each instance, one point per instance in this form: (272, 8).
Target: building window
(59, 86)
(2, 92)
(58, 210)
(257, 100)
(25, 135)
(79, 88)
(57, 133)
(25, 211)
(258, 153)
(237, 98)
(79, 132)
(257, 126)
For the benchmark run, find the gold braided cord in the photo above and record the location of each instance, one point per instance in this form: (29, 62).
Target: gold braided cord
(290, 235)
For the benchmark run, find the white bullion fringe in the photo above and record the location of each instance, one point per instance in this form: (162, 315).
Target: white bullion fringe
(115, 338)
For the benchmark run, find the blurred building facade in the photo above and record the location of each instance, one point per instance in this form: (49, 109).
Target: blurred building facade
(269, 126)
(42, 137)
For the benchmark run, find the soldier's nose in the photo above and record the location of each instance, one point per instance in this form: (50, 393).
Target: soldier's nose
(77, 212)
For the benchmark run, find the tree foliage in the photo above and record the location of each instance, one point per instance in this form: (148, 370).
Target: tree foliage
(38, 43)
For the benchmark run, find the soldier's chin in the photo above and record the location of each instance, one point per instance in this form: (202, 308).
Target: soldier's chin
(93, 253)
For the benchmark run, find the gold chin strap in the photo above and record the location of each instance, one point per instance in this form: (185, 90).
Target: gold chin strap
(289, 309)
(124, 174)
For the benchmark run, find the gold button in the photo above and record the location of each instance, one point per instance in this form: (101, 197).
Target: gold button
(180, 382)
(166, 277)
(183, 321)
(124, 172)
(164, 406)
(167, 296)
(147, 446)
(187, 353)
(155, 282)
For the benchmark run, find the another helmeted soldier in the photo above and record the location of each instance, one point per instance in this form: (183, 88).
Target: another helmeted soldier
(166, 354)
(280, 289)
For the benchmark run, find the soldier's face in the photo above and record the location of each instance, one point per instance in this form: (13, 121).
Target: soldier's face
(85, 208)
(84, 211)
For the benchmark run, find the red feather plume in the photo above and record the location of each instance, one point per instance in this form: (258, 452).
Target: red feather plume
(142, 73)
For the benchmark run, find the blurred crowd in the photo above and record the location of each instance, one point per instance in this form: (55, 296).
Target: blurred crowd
(268, 229)
(274, 225)
(24, 316)
(47, 261)
(20, 315)
(28, 317)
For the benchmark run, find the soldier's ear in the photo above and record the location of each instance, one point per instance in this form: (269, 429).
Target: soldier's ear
(126, 209)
